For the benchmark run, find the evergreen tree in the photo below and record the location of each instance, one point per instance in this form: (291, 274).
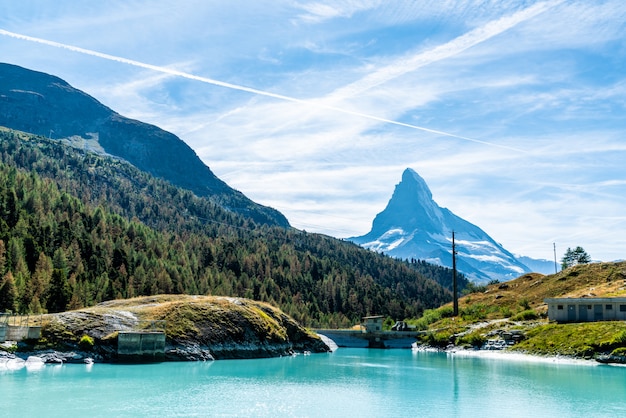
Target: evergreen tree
(2, 257)
(59, 292)
(8, 293)
(576, 256)
(41, 277)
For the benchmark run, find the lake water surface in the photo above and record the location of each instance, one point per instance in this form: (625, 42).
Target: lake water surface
(345, 383)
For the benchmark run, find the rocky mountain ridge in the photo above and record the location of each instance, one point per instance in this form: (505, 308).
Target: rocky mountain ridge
(413, 225)
(45, 105)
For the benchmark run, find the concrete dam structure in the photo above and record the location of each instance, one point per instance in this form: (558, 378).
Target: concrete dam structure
(371, 335)
(375, 339)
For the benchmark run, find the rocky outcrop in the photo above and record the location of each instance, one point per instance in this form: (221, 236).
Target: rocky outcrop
(235, 328)
(611, 359)
(197, 328)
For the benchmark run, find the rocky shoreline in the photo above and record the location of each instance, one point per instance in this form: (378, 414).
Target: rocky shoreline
(47, 357)
(507, 353)
(178, 351)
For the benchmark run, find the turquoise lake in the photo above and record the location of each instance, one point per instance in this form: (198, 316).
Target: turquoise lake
(346, 383)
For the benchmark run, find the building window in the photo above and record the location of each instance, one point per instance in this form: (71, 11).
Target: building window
(589, 307)
(608, 307)
(560, 307)
(622, 308)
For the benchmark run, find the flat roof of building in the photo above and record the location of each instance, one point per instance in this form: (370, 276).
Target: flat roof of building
(586, 300)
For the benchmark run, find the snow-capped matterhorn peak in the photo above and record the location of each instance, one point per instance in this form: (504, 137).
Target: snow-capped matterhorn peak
(413, 225)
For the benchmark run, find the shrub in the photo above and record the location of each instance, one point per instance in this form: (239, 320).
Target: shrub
(473, 288)
(86, 343)
(474, 339)
(439, 339)
(620, 338)
(621, 351)
(446, 312)
(389, 322)
(525, 304)
(431, 316)
(506, 311)
(527, 315)
(475, 312)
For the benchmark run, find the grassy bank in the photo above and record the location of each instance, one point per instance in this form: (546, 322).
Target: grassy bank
(516, 307)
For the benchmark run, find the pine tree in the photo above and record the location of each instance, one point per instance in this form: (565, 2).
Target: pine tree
(575, 256)
(8, 293)
(2, 257)
(59, 292)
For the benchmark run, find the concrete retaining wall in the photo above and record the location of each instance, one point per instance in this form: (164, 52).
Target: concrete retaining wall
(141, 346)
(16, 333)
(34, 333)
(3, 333)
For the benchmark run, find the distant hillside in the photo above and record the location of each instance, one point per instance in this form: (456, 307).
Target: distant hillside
(45, 105)
(77, 228)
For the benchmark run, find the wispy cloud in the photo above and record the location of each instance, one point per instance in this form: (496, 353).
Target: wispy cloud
(232, 86)
(454, 47)
(318, 11)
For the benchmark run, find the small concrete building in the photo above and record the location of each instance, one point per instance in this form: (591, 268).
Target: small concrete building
(586, 309)
(373, 323)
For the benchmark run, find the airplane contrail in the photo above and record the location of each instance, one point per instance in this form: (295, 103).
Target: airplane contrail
(243, 88)
(457, 45)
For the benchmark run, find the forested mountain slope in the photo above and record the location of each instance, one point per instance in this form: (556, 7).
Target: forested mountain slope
(77, 228)
(46, 105)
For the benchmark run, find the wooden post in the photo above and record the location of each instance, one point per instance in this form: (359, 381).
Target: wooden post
(454, 285)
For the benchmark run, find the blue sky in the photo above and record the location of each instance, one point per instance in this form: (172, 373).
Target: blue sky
(512, 111)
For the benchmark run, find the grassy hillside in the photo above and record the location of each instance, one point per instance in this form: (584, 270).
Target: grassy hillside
(528, 291)
(517, 306)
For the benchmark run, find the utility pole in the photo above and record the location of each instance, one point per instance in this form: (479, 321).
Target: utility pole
(454, 286)
(555, 268)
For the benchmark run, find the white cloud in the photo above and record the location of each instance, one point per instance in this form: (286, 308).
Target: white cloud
(316, 12)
